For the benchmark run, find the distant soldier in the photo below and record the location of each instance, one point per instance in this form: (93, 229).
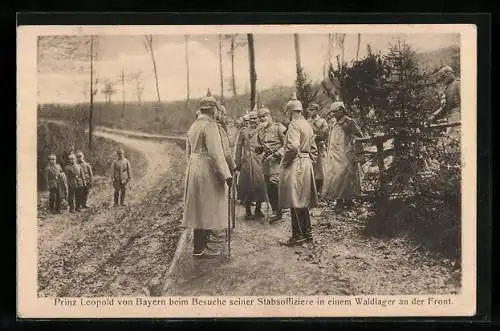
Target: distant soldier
(271, 138)
(450, 103)
(205, 200)
(251, 185)
(297, 189)
(55, 185)
(321, 129)
(122, 175)
(342, 182)
(88, 177)
(74, 175)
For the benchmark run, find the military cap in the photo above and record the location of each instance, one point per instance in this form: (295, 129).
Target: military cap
(263, 111)
(313, 106)
(246, 117)
(71, 156)
(119, 151)
(208, 101)
(252, 115)
(79, 154)
(52, 157)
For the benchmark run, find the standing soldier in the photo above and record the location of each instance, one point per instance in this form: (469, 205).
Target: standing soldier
(450, 103)
(342, 182)
(251, 185)
(88, 177)
(74, 175)
(55, 186)
(271, 138)
(121, 177)
(297, 189)
(320, 129)
(205, 201)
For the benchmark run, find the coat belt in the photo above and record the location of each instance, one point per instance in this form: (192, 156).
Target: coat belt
(303, 155)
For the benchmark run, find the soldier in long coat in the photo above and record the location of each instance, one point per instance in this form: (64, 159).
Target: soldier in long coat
(320, 129)
(122, 175)
(297, 188)
(74, 176)
(207, 174)
(88, 177)
(342, 182)
(251, 184)
(55, 186)
(271, 138)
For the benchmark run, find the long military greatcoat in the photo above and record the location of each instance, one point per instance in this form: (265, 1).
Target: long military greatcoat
(297, 188)
(341, 171)
(271, 138)
(205, 194)
(251, 184)
(320, 129)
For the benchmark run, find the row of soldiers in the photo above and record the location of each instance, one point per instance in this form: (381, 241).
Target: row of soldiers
(73, 183)
(285, 164)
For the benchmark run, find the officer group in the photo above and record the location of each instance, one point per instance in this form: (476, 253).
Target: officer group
(286, 165)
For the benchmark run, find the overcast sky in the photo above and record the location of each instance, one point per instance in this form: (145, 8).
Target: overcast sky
(275, 63)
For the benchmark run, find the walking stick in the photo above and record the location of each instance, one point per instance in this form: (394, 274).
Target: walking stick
(228, 230)
(233, 199)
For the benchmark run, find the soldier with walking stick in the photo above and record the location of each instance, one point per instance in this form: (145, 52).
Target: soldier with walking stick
(205, 201)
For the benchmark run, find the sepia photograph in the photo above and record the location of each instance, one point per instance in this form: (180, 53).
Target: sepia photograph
(258, 169)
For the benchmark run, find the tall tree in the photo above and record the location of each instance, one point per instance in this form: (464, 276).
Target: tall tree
(186, 51)
(93, 90)
(150, 48)
(221, 71)
(297, 55)
(122, 76)
(253, 73)
(233, 78)
(357, 47)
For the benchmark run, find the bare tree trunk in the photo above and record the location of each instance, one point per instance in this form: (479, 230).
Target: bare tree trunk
(233, 78)
(186, 40)
(221, 71)
(359, 44)
(253, 73)
(123, 93)
(91, 90)
(149, 43)
(297, 55)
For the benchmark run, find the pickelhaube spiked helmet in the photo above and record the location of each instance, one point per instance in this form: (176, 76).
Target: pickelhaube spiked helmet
(246, 117)
(293, 104)
(263, 111)
(208, 101)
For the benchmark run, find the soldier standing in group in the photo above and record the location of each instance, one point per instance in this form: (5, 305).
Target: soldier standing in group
(297, 189)
(74, 175)
(271, 138)
(121, 177)
(88, 178)
(342, 181)
(205, 200)
(320, 129)
(251, 185)
(54, 184)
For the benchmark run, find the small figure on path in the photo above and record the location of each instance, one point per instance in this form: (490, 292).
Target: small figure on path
(74, 176)
(297, 188)
(271, 138)
(320, 129)
(88, 177)
(251, 184)
(205, 199)
(56, 184)
(342, 182)
(121, 177)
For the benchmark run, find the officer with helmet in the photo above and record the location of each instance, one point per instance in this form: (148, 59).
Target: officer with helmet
(297, 189)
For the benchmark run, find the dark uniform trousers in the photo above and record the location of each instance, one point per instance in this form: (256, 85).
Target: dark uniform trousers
(120, 191)
(272, 193)
(75, 197)
(301, 223)
(85, 195)
(54, 200)
(200, 240)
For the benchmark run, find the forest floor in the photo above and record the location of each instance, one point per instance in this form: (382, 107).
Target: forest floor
(109, 251)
